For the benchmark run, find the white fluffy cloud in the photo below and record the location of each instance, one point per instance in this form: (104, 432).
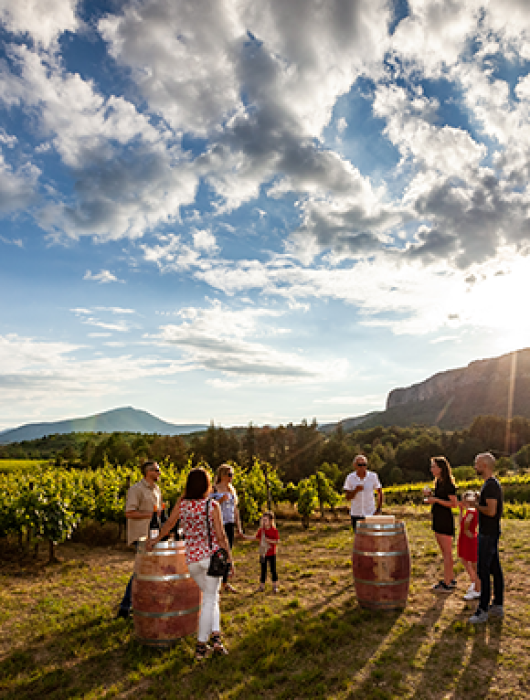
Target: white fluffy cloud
(43, 20)
(435, 33)
(221, 339)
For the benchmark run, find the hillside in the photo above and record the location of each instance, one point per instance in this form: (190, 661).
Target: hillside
(452, 399)
(126, 419)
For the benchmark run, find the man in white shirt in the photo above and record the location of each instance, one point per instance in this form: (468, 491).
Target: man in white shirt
(359, 488)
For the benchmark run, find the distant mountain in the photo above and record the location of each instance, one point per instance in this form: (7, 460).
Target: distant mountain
(126, 419)
(348, 424)
(497, 386)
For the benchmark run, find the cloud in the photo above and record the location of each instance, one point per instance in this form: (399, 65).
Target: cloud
(43, 20)
(194, 66)
(35, 371)
(204, 240)
(125, 169)
(220, 339)
(434, 34)
(14, 241)
(102, 277)
(17, 186)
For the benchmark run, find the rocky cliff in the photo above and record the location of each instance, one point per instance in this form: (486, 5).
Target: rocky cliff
(451, 400)
(500, 372)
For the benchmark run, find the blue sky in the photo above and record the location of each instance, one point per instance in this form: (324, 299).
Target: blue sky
(241, 211)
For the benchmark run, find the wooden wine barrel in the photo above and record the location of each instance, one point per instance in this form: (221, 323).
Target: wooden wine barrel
(166, 601)
(381, 565)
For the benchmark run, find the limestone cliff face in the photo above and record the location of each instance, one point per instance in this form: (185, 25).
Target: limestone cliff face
(498, 371)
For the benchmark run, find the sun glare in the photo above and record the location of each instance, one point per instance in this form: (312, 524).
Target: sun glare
(497, 303)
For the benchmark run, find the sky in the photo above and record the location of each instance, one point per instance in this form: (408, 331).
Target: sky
(239, 211)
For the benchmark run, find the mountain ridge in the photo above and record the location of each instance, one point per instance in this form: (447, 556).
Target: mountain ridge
(451, 399)
(125, 419)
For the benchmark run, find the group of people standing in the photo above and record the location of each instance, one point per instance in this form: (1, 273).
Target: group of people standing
(479, 553)
(210, 519)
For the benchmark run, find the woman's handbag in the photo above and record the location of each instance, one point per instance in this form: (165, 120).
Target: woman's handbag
(219, 561)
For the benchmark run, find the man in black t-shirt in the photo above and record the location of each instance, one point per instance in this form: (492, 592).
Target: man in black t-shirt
(489, 521)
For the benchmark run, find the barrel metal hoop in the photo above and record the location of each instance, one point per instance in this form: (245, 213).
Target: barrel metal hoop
(168, 577)
(391, 605)
(380, 554)
(175, 613)
(381, 534)
(157, 642)
(382, 583)
(361, 525)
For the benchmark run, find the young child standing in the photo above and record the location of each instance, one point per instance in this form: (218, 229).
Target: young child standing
(468, 542)
(268, 538)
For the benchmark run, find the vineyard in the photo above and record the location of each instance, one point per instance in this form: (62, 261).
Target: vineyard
(48, 503)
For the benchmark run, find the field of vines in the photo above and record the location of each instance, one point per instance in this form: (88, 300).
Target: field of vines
(47, 503)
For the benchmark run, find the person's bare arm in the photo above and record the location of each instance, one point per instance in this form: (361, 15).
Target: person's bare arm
(138, 514)
(490, 509)
(220, 531)
(451, 502)
(352, 493)
(379, 500)
(166, 527)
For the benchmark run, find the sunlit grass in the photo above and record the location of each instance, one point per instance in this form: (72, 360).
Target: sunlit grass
(60, 638)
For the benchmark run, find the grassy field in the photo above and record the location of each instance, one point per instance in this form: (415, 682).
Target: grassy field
(60, 639)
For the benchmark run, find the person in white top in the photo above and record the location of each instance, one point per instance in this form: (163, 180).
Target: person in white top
(359, 488)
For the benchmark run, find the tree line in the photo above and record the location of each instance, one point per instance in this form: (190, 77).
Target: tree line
(296, 452)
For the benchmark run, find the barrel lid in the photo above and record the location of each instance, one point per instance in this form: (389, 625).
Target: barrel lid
(377, 527)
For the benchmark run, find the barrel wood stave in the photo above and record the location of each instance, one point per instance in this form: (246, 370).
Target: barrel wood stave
(166, 600)
(381, 565)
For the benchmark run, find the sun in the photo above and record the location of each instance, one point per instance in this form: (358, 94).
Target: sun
(497, 302)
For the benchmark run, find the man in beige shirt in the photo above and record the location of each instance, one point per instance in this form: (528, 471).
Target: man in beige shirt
(142, 499)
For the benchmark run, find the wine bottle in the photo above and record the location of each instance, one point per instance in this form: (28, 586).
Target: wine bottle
(154, 525)
(163, 517)
(177, 532)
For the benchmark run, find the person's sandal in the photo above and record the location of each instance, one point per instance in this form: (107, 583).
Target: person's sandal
(218, 647)
(201, 651)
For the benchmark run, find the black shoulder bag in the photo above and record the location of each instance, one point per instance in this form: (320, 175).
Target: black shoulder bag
(219, 563)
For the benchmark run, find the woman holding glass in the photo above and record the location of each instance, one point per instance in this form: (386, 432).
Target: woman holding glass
(442, 501)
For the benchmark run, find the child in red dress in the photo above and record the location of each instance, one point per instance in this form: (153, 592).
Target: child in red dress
(468, 542)
(268, 537)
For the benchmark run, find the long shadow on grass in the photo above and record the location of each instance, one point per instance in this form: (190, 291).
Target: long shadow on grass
(383, 677)
(484, 656)
(294, 655)
(81, 659)
(444, 662)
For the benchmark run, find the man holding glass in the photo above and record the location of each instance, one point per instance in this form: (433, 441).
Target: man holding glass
(143, 498)
(359, 488)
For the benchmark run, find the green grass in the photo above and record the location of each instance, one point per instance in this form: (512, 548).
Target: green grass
(60, 639)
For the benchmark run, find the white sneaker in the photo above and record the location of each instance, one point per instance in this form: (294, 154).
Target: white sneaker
(471, 588)
(472, 594)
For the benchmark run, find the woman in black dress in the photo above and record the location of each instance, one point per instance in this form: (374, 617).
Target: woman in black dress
(443, 523)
